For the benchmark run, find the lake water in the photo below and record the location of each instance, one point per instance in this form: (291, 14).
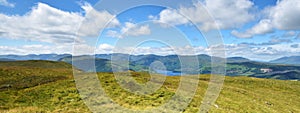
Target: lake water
(168, 73)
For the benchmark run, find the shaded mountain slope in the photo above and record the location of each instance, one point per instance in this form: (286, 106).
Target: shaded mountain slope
(292, 60)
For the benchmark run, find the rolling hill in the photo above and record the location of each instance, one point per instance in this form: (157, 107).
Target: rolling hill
(235, 66)
(51, 57)
(237, 59)
(6, 59)
(24, 74)
(292, 60)
(44, 89)
(91, 64)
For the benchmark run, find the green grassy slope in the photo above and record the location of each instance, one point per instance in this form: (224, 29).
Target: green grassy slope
(36, 64)
(38, 86)
(59, 96)
(25, 74)
(239, 94)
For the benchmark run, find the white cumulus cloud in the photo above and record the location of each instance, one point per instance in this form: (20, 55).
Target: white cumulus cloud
(263, 27)
(95, 20)
(130, 29)
(181, 50)
(48, 24)
(283, 16)
(226, 14)
(6, 3)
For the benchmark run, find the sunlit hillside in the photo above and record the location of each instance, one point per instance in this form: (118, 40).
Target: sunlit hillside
(29, 86)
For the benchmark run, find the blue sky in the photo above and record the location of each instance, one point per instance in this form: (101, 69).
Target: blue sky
(256, 29)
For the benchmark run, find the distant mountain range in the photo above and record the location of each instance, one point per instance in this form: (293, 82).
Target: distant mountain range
(6, 59)
(235, 66)
(293, 60)
(51, 57)
(285, 68)
(237, 59)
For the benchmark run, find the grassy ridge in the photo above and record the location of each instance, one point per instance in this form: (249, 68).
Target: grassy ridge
(25, 74)
(59, 93)
(239, 94)
(38, 86)
(59, 96)
(36, 64)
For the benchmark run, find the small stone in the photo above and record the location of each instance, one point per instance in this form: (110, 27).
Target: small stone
(216, 105)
